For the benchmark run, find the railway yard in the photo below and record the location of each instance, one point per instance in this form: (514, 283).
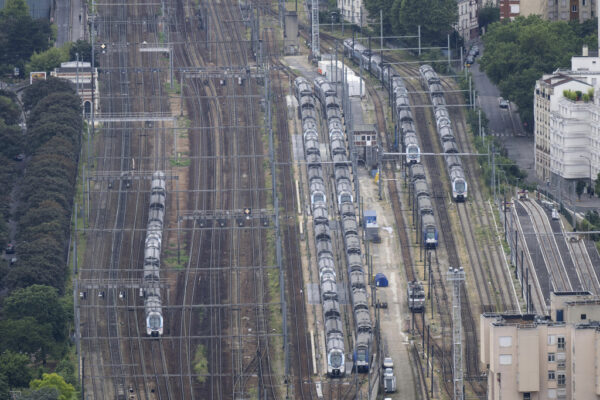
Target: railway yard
(262, 276)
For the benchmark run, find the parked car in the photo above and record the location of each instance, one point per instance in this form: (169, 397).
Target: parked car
(388, 362)
(20, 157)
(469, 61)
(503, 103)
(10, 248)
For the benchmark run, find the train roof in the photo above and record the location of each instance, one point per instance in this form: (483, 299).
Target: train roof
(428, 219)
(417, 171)
(421, 187)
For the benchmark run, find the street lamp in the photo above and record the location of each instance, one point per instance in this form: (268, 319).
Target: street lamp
(590, 164)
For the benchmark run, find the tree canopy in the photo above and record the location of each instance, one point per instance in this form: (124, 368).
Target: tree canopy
(21, 35)
(401, 17)
(41, 89)
(66, 391)
(38, 301)
(518, 53)
(14, 367)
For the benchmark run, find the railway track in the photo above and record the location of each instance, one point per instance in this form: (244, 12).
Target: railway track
(300, 368)
(484, 248)
(545, 237)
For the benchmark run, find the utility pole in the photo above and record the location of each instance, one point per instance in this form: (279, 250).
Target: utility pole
(315, 29)
(457, 276)
(92, 72)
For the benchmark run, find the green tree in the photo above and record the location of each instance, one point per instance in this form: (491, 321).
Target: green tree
(373, 8)
(436, 18)
(487, 15)
(518, 53)
(67, 391)
(84, 48)
(41, 89)
(15, 9)
(4, 387)
(11, 137)
(31, 270)
(26, 335)
(38, 301)
(15, 367)
(597, 185)
(47, 60)
(579, 188)
(21, 35)
(9, 110)
(45, 393)
(42, 133)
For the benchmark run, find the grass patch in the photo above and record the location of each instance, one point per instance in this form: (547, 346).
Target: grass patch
(172, 260)
(176, 86)
(200, 363)
(180, 161)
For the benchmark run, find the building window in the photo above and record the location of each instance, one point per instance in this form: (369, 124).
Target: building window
(583, 2)
(527, 396)
(561, 343)
(562, 380)
(505, 359)
(551, 375)
(505, 341)
(574, 8)
(583, 316)
(551, 357)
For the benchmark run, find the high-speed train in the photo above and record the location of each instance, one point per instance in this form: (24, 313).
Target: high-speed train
(152, 249)
(347, 212)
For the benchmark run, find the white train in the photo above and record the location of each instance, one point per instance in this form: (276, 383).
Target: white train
(334, 332)
(345, 196)
(431, 82)
(152, 249)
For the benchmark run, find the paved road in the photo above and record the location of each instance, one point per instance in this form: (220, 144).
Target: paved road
(69, 17)
(504, 123)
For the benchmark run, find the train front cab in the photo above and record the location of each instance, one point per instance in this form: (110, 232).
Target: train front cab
(336, 367)
(430, 237)
(414, 155)
(361, 360)
(154, 324)
(459, 190)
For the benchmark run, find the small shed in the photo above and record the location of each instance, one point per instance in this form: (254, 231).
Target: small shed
(381, 280)
(371, 227)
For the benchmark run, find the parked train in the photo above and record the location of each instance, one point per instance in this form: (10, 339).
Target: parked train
(152, 248)
(374, 64)
(405, 129)
(334, 333)
(431, 82)
(345, 198)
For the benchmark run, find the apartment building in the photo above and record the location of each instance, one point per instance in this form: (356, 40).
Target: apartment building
(353, 11)
(538, 357)
(468, 25)
(553, 10)
(567, 128)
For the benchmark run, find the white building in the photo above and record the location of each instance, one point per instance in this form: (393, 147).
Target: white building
(353, 11)
(468, 26)
(81, 76)
(536, 357)
(567, 131)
